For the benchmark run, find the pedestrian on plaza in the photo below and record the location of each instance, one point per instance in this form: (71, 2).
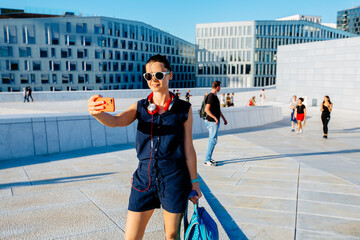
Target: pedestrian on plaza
(232, 100)
(300, 115)
(262, 97)
(292, 106)
(223, 100)
(252, 102)
(212, 121)
(178, 93)
(228, 100)
(167, 170)
(187, 96)
(29, 93)
(326, 108)
(25, 95)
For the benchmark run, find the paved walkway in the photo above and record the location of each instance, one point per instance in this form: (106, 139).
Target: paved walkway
(271, 184)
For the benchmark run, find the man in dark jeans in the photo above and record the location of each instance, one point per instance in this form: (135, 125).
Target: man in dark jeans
(29, 92)
(212, 121)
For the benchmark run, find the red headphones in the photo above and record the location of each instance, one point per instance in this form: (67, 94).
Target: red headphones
(153, 108)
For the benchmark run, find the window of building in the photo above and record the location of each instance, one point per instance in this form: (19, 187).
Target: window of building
(24, 52)
(44, 78)
(52, 34)
(10, 34)
(99, 29)
(43, 52)
(98, 54)
(70, 66)
(54, 78)
(102, 42)
(64, 53)
(80, 53)
(68, 27)
(54, 66)
(98, 79)
(36, 66)
(24, 78)
(26, 65)
(29, 34)
(70, 40)
(86, 66)
(6, 52)
(86, 41)
(33, 78)
(5, 78)
(53, 53)
(65, 78)
(81, 28)
(247, 69)
(81, 78)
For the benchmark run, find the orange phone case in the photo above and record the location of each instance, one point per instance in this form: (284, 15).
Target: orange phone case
(109, 104)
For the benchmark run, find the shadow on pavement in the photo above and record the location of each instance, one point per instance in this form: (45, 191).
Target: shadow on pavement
(277, 156)
(62, 156)
(231, 228)
(56, 180)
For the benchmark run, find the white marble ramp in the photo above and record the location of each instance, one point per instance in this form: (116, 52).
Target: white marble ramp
(278, 185)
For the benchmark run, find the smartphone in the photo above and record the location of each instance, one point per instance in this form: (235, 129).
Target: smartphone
(109, 104)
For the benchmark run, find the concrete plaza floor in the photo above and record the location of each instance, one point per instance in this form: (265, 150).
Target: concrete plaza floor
(270, 184)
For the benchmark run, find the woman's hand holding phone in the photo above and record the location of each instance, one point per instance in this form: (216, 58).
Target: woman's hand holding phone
(97, 104)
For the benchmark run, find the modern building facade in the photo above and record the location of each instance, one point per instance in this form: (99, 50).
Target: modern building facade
(349, 20)
(59, 53)
(313, 70)
(243, 54)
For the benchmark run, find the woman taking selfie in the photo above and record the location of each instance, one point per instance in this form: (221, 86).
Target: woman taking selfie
(167, 169)
(326, 108)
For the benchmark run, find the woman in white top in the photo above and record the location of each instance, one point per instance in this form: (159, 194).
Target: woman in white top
(292, 106)
(223, 100)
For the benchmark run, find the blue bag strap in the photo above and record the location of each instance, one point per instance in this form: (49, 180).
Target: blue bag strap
(186, 223)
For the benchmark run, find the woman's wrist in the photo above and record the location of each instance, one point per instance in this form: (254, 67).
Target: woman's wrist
(195, 180)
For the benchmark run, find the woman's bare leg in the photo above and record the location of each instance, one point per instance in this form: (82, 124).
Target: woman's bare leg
(172, 222)
(136, 223)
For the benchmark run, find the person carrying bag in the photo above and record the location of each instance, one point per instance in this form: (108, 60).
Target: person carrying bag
(201, 225)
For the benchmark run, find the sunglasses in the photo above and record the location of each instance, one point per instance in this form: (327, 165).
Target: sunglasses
(158, 75)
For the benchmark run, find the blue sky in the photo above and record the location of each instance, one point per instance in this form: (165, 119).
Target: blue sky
(179, 17)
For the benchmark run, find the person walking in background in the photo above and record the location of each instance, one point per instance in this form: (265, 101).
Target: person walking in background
(228, 100)
(326, 108)
(252, 102)
(300, 115)
(262, 97)
(232, 100)
(187, 96)
(212, 121)
(223, 100)
(25, 95)
(29, 92)
(178, 93)
(292, 107)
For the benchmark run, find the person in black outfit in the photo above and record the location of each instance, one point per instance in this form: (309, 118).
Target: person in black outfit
(29, 91)
(326, 108)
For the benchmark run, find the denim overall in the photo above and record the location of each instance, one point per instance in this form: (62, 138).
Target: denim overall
(170, 181)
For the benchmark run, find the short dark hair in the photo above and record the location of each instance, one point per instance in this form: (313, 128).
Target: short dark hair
(162, 59)
(301, 99)
(216, 84)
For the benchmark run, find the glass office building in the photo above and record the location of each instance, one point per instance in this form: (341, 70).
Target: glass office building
(349, 20)
(243, 54)
(59, 53)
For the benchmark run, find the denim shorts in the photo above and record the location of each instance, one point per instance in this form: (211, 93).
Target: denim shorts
(170, 187)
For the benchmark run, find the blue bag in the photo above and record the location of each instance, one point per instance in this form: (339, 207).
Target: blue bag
(201, 226)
